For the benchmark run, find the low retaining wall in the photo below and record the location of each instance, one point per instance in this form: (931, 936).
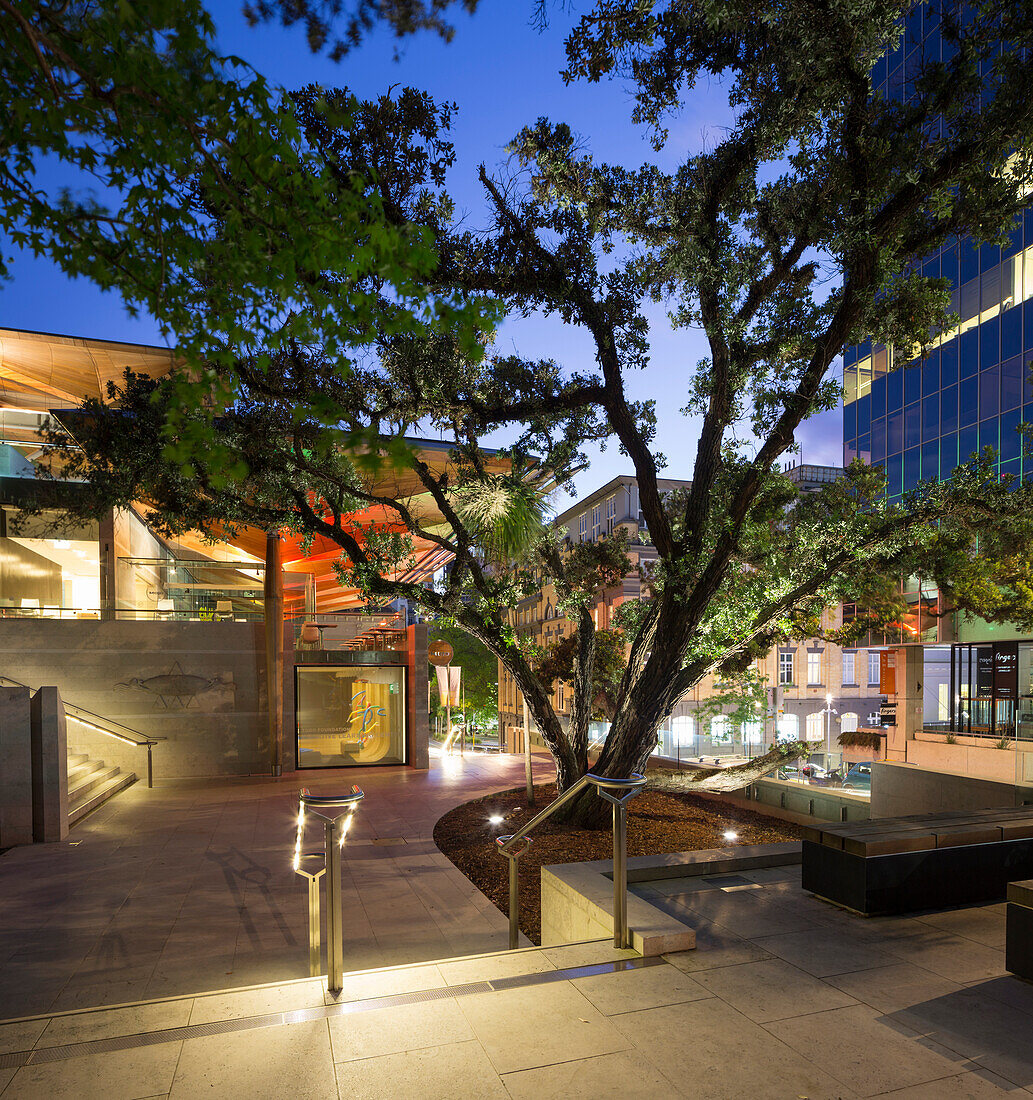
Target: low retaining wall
(199, 685)
(899, 789)
(823, 803)
(577, 898)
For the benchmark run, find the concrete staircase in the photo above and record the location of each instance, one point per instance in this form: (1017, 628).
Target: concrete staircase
(91, 783)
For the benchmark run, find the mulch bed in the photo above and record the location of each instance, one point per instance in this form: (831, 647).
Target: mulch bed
(657, 822)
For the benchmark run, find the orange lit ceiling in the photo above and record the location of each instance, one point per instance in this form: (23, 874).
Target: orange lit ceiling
(319, 561)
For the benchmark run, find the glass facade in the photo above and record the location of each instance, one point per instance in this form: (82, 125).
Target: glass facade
(920, 417)
(349, 715)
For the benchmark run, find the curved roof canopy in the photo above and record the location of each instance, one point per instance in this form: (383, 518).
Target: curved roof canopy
(40, 371)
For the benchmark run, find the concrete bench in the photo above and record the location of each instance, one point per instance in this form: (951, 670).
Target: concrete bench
(924, 861)
(1018, 946)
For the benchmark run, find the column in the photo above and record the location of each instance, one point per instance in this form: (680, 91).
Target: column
(49, 767)
(15, 767)
(274, 647)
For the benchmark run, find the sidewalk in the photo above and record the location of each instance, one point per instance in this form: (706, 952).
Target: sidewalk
(188, 887)
(785, 997)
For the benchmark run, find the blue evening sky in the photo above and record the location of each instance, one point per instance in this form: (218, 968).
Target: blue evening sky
(502, 73)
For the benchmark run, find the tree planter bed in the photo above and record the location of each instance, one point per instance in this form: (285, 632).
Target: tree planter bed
(928, 861)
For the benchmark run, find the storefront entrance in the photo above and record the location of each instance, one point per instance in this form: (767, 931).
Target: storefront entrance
(992, 689)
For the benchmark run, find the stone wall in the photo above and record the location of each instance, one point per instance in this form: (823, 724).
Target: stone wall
(900, 789)
(200, 685)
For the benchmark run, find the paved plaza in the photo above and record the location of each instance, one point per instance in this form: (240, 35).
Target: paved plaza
(162, 953)
(188, 887)
(785, 997)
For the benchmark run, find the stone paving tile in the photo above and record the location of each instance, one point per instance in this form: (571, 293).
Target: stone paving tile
(864, 1050)
(772, 990)
(1011, 991)
(454, 1072)
(626, 1074)
(894, 987)
(715, 947)
(824, 952)
(975, 1028)
(539, 1025)
(397, 1029)
(257, 1002)
(73, 997)
(266, 1064)
(83, 1027)
(114, 1075)
(708, 1049)
(985, 924)
(20, 1035)
(387, 983)
(461, 971)
(634, 990)
(962, 1086)
(955, 957)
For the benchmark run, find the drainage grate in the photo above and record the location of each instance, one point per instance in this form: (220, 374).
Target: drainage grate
(20, 1058)
(389, 840)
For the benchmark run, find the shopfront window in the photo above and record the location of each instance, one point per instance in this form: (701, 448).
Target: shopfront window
(350, 715)
(788, 728)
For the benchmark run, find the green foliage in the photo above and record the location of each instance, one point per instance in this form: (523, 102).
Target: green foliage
(505, 514)
(480, 672)
(741, 698)
(861, 739)
(138, 157)
(556, 662)
(792, 233)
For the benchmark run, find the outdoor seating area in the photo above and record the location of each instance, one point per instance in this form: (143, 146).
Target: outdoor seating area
(925, 861)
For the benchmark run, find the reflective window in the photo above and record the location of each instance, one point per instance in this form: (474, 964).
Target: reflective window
(350, 715)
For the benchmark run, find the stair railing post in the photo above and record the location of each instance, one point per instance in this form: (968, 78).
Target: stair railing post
(620, 874)
(150, 768)
(334, 924)
(336, 813)
(514, 902)
(621, 938)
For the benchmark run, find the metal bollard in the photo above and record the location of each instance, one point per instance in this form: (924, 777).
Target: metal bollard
(335, 825)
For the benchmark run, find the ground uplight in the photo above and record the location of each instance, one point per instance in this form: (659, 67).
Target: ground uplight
(729, 835)
(496, 819)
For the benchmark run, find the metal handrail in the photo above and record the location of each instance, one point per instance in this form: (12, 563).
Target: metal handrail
(508, 846)
(127, 735)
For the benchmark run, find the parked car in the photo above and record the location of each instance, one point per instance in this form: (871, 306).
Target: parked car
(858, 777)
(814, 774)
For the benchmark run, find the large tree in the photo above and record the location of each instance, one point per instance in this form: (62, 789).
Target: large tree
(791, 236)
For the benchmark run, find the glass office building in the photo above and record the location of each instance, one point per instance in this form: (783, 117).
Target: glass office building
(919, 417)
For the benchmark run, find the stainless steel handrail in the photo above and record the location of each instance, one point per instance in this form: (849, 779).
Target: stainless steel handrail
(123, 733)
(511, 847)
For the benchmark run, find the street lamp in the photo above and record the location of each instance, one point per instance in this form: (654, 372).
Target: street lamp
(829, 711)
